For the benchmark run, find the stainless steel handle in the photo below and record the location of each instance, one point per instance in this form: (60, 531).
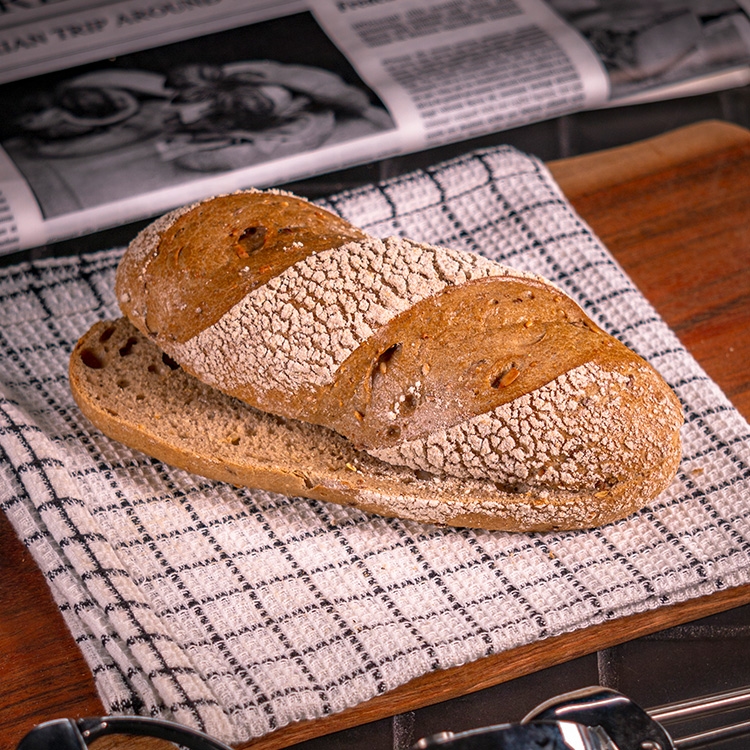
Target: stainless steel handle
(604, 719)
(703, 707)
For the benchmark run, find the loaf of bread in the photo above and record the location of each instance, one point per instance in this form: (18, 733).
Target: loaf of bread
(272, 344)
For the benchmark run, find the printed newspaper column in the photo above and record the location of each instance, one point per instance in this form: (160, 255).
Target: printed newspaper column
(21, 222)
(451, 71)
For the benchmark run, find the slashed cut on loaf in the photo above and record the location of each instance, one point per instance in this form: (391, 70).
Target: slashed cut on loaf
(271, 344)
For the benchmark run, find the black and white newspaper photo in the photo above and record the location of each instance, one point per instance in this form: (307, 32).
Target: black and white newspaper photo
(168, 123)
(648, 46)
(118, 111)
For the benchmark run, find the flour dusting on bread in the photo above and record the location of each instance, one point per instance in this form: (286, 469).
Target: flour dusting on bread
(576, 432)
(297, 329)
(309, 358)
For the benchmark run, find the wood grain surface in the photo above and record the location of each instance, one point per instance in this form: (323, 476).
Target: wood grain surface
(674, 212)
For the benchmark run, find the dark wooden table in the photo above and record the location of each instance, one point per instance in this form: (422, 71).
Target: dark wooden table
(675, 212)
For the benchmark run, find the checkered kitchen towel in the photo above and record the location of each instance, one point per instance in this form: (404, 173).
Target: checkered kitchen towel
(240, 611)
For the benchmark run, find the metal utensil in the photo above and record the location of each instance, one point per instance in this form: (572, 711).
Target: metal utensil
(598, 718)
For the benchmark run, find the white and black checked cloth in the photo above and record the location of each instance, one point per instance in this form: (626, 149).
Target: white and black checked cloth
(238, 611)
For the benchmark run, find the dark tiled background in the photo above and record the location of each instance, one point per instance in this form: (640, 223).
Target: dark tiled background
(699, 658)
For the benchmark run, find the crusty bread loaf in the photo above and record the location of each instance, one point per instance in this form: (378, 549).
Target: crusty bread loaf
(461, 391)
(136, 394)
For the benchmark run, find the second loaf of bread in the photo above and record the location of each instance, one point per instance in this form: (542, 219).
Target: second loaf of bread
(425, 357)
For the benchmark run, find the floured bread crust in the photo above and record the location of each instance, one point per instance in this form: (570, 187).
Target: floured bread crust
(434, 360)
(299, 327)
(281, 347)
(137, 395)
(576, 433)
(172, 285)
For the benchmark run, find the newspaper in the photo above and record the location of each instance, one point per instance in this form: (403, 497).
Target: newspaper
(117, 111)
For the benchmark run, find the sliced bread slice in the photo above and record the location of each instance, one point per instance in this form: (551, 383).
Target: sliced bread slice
(137, 395)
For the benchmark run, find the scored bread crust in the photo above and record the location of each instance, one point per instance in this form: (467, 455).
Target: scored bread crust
(134, 393)
(458, 390)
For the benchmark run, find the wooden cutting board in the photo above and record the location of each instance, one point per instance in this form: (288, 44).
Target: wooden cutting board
(675, 212)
